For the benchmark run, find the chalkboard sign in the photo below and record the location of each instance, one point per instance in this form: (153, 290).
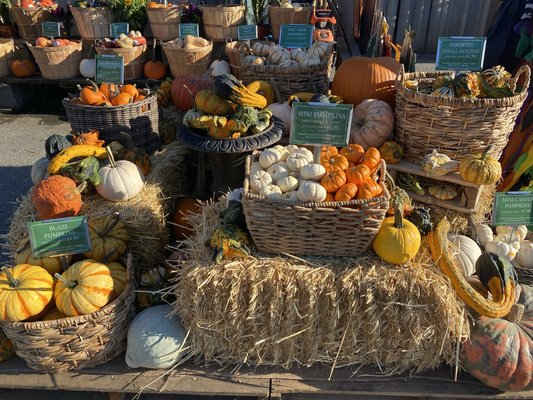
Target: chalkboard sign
(457, 53)
(513, 208)
(51, 29)
(296, 36)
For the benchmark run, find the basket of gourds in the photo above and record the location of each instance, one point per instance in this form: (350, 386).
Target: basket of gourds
(188, 55)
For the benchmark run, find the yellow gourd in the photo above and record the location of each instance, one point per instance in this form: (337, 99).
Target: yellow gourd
(82, 150)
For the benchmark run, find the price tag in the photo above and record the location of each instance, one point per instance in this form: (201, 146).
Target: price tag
(117, 28)
(247, 32)
(51, 29)
(513, 208)
(188, 29)
(296, 36)
(320, 124)
(109, 68)
(60, 236)
(459, 53)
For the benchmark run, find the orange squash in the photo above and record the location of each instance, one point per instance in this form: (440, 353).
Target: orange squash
(91, 95)
(347, 192)
(333, 180)
(371, 158)
(327, 151)
(109, 90)
(369, 189)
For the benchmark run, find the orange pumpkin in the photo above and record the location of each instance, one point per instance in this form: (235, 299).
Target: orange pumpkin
(347, 192)
(180, 226)
(155, 69)
(131, 90)
(43, 42)
(121, 99)
(334, 162)
(89, 138)
(370, 188)
(120, 278)
(353, 152)
(22, 68)
(91, 95)
(359, 78)
(328, 151)
(109, 90)
(333, 180)
(56, 197)
(358, 174)
(329, 197)
(371, 158)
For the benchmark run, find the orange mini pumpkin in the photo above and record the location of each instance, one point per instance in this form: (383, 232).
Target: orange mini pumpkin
(333, 180)
(358, 174)
(371, 158)
(369, 189)
(347, 192)
(334, 162)
(329, 197)
(327, 151)
(22, 68)
(109, 90)
(91, 95)
(353, 152)
(131, 90)
(121, 99)
(155, 69)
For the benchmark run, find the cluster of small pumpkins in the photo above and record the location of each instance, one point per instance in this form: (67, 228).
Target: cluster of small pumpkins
(273, 54)
(34, 4)
(108, 94)
(36, 289)
(132, 39)
(508, 242)
(46, 42)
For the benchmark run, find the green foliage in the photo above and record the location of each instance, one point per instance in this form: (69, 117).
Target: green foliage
(131, 11)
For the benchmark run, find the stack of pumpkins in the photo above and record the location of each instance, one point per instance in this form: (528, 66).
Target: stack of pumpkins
(107, 95)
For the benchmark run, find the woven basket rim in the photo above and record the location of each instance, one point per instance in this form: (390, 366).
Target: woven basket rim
(340, 205)
(81, 319)
(163, 9)
(67, 103)
(88, 8)
(221, 6)
(134, 49)
(76, 45)
(402, 90)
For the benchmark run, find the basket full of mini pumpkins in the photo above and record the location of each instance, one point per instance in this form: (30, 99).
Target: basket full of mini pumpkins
(57, 58)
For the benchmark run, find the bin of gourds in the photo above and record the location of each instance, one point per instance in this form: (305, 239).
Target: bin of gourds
(30, 14)
(188, 55)
(57, 58)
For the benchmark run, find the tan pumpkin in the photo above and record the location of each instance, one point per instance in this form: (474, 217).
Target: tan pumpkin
(481, 169)
(372, 123)
(109, 238)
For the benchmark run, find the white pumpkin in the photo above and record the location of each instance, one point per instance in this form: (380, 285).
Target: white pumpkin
(288, 64)
(465, 252)
(298, 55)
(283, 151)
(219, 67)
(484, 234)
(372, 123)
(260, 178)
(520, 231)
(291, 196)
(311, 191)
(524, 257)
(502, 249)
(269, 157)
(278, 56)
(255, 167)
(307, 153)
(317, 50)
(271, 191)
(278, 171)
(283, 112)
(309, 61)
(296, 161)
(288, 184)
(292, 148)
(119, 180)
(260, 49)
(155, 340)
(88, 68)
(313, 172)
(39, 170)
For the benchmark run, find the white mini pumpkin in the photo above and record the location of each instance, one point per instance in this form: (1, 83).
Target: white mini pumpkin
(288, 64)
(278, 171)
(220, 67)
(260, 178)
(484, 234)
(296, 161)
(372, 123)
(524, 257)
(288, 184)
(292, 148)
(309, 61)
(269, 157)
(313, 172)
(260, 49)
(297, 55)
(520, 231)
(256, 60)
(465, 252)
(311, 191)
(278, 56)
(283, 151)
(317, 50)
(307, 153)
(119, 180)
(271, 191)
(291, 196)
(88, 68)
(39, 170)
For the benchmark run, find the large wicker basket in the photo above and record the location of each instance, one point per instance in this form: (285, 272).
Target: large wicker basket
(164, 22)
(333, 228)
(220, 22)
(187, 61)
(75, 342)
(457, 127)
(93, 22)
(29, 21)
(7, 53)
(282, 15)
(134, 58)
(139, 119)
(289, 80)
(58, 62)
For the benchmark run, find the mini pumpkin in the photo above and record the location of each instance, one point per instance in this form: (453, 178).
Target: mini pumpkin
(443, 192)
(334, 162)
(358, 174)
(311, 191)
(371, 158)
(120, 278)
(368, 189)
(90, 138)
(333, 180)
(353, 152)
(258, 179)
(24, 255)
(481, 169)
(109, 238)
(346, 192)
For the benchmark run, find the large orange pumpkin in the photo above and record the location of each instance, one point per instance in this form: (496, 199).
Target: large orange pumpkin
(182, 98)
(360, 78)
(22, 68)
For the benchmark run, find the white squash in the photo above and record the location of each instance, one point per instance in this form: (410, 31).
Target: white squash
(277, 171)
(313, 172)
(317, 50)
(297, 55)
(465, 252)
(292, 148)
(39, 170)
(260, 49)
(283, 151)
(288, 184)
(520, 231)
(88, 68)
(269, 157)
(309, 61)
(296, 161)
(524, 257)
(484, 234)
(251, 59)
(277, 55)
(307, 153)
(283, 112)
(119, 180)
(155, 340)
(311, 191)
(291, 196)
(260, 178)
(219, 67)
(271, 191)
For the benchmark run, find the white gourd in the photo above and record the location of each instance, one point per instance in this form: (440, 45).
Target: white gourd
(501, 249)
(520, 231)
(313, 172)
(270, 191)
(260, 49)
(120, 180)
(484, 234)
(283, 151)
(251, 59)
(307, 153)
(288, 184)
(465, 252)
(296, 161)
(278, 171)
(311, 191)
(309, 61)
(39, 170)
(269, 157)
(155, 340)
(259, 179)
(292, 148)
(88, 68)
(279, 56)
(524, 257)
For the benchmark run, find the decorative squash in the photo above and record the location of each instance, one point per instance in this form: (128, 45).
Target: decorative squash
(7, 350)
(155, 339)
(207, 101)
(484, 234)
(84, 170)
(499, 351)
(39, 170)
(518, 232)
(353, 152)
(185, 87)
(89, 138)
(372, 123)
(391, 151)
(57, 197)
(263, 88)
(311, 191)
(360, 78)
(288, 184)
(481, 169)
(260, 178)
(333, 180)
(524, 257)
(397, 240)
(496, 77)
(443, 192)
(334, 162)
(133, 154)
(346, 192)
(230, 88)
(371, 158)
(269, 157)
(278, 171)
(25, 291)
(296, 161)
(358, 174)
(82, 150)
(466, 85)
(54, 144)
(433, 160)
(421, 218)
(120, 278)
(465, 252)
(84, 288)
(109, 238)
(24, 255)
(368, 189)
(502, 248)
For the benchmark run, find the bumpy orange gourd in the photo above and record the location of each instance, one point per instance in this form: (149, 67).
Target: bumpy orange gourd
(89, 138)
(56, 197)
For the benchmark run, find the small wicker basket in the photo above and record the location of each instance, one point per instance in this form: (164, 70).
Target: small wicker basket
(29, 21)
(164, 22)
(188, 61)
(7, 53)
(282, 15)
(139, 119)
(58, 62)
(134, 58)
(457, 127)
(93, 22)
(334, 228)
(220, 22)
(75, 342)
(233, 52)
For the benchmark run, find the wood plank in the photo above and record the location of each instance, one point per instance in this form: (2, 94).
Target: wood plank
(454, 204)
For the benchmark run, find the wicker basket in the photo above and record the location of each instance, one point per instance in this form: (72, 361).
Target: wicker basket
(282, 15)
(221, 22)
(93, 22)
(7, 53)
(454, 126)
(188, 61)
(58, 62)
(134, 58)
(233, 52)
(140, 120)
(76, 342)
(289, 80)
(164, 22)
(334, 228)
(29, 21)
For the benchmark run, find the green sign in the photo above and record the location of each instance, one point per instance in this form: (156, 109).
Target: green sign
(296, 36)
(247, 32)
(109, 68)
(117, 28)
(320, 124)
(513, 208)
(188, 29)
(458, 53)
(60, 236)
(51, 29)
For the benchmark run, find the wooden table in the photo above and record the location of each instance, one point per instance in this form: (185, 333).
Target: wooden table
(259, 383)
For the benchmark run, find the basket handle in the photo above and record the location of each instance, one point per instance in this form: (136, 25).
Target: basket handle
(524, 69)
(400, 78)
(244, 50)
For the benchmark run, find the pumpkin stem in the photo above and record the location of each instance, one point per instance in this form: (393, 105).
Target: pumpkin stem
(398, 218)
(114, 222)
(110, 156)
(66, 282)
(10, 278)
(81, 187)
(486, 152)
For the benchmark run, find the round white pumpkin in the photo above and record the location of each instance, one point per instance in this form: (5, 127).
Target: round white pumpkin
(484, 234)
(296, 161)
(283, 151)
(88, 68)
(220, 67)
(465, 252)
(269, 157)
(524, 257)
(311, 191)
(372, 123)
(155, 340)
(313, 172)
(278, 171)
(288, 184)
(39, 170)
(291, 196)
(307, 153)
(271, 191)
(260, 178)
(120, 180)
